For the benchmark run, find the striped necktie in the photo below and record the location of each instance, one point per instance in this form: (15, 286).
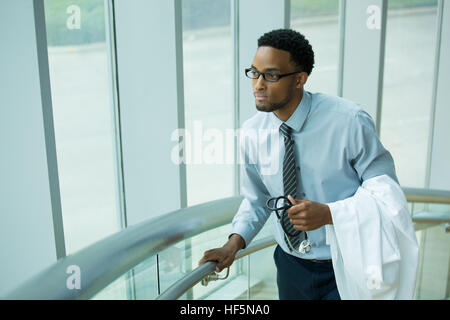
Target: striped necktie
(290, 184)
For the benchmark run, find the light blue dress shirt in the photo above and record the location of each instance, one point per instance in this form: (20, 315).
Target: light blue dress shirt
(336, 147)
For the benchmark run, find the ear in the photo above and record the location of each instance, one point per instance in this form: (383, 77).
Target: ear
(301, 79)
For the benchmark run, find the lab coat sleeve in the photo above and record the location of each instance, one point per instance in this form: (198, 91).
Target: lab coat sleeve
(373, 243)
(372, 239)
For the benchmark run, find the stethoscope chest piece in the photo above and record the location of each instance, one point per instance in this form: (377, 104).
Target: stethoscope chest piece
(304, 247)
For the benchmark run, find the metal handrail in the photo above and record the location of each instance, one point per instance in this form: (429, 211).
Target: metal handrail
(106, 260)
(195, 276)
(427, 195)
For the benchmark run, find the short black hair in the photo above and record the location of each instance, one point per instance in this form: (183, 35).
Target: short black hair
(292, 41)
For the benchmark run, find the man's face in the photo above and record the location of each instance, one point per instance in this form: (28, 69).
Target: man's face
(271, 96)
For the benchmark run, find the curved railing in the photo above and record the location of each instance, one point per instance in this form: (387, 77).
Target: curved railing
(195, 276)
(108, 259)
(427, 195)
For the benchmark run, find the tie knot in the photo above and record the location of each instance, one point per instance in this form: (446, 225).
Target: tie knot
(285, 130)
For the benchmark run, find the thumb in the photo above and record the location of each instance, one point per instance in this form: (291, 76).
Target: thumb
(292, 200)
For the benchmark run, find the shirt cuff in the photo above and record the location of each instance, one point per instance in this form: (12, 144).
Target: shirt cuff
(242, 229)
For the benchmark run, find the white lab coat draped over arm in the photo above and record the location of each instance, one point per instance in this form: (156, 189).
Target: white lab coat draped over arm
(373, 243)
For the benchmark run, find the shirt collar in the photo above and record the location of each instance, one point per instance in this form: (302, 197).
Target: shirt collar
(298, 118)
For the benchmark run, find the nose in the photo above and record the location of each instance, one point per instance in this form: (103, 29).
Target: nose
(259, 83)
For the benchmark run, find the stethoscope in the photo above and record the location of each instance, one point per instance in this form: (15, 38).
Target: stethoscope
(305, 245)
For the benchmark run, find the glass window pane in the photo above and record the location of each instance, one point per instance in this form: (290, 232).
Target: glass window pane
(433, 274)
(208, 103)
(208, 98)
(262, 270)
(318, 21)
(116, 290)
(407, 90)
(263, 275)
(83, 119)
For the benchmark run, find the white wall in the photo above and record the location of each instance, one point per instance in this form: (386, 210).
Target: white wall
(365, 29)
(27, 234)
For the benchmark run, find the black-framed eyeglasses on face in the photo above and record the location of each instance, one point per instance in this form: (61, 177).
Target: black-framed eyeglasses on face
(268, 76)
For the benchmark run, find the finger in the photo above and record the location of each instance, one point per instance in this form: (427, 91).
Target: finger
(213, 273)
(204, 258)
(292, 211)
(208, 256)
(297, 211)
(218, 268)
(298, 222)
(222, 265)
(300, 219)
(301, 227)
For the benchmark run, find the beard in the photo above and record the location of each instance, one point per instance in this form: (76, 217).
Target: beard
(269, 108)
(273, 106)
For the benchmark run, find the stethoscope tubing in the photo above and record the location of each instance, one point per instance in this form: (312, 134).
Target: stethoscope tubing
(284, 208)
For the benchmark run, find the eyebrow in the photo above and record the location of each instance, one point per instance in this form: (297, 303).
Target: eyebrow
(267, 69)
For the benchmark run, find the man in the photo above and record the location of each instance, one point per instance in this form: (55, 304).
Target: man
(344, 230)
